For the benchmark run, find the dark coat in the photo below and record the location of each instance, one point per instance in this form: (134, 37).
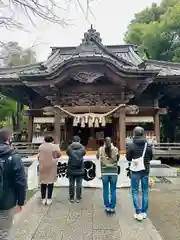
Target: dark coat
(135, 150)
(14, 179)
(75, 152)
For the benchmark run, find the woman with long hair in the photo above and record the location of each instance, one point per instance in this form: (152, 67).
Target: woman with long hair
(48, 158)
(109, 156)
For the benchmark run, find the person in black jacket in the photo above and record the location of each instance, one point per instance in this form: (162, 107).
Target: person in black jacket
(75, 168)
(13, 183)
(135, 151)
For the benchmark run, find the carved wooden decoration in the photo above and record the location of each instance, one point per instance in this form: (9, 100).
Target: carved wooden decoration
(89, 99)
(87, 77)
(132, 109)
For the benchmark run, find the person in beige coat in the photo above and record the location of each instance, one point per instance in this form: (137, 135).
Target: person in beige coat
(48, 158)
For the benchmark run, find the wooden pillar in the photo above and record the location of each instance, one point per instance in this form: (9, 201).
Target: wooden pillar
(69, 130)
(156, 121)
(65, 130)
(57, 127)
(19, 114)
(122, 124)
(117, 133)
(30, 128)
(122, 130)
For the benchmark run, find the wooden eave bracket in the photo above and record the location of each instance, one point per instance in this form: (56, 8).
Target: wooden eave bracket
(161, 111)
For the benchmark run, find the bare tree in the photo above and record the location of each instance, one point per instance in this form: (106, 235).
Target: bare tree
(45, 9)
(12, 54)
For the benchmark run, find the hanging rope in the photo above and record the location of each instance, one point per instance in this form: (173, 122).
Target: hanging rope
(90, 118)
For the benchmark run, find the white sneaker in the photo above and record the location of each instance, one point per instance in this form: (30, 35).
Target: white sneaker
(112, 210)
(144, 215)
(138, 217)
(44, 201)
(49, 202)
(107, 209)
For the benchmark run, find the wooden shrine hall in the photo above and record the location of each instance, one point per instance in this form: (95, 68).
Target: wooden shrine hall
(93, 91)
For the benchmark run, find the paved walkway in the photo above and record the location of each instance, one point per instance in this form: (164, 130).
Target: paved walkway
(87, 220)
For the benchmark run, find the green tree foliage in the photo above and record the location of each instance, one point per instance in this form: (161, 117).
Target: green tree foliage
(156, 31)
(14, 55)
(7, 110)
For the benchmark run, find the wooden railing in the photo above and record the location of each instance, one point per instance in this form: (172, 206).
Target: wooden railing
(167, 146)
(26, 148)
(147, 133)
(167, 150)
(161, 150)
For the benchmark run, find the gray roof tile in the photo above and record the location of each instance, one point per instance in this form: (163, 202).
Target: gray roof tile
(165, 68)
(122, 56)
(9, 76)
(130, 55)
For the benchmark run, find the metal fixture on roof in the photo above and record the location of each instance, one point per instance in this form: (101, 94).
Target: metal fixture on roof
(91, 33)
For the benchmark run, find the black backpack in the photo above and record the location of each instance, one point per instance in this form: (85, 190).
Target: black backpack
(1, 177)
(2, 161)
(75, 162)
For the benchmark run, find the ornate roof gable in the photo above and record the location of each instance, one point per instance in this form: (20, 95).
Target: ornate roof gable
(123, 57)
(91, 34)
(92, 42)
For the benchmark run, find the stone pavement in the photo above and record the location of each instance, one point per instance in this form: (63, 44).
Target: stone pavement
(87, 220)
(164, 211)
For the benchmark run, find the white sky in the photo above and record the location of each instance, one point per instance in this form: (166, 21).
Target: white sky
(111, 20)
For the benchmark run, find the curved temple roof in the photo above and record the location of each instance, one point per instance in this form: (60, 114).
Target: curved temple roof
(32, 83)
(124, 56)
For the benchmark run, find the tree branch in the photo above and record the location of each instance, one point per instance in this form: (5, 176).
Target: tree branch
(47, 10)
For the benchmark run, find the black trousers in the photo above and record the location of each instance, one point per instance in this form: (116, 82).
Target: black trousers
(47, 188)
(78, 181)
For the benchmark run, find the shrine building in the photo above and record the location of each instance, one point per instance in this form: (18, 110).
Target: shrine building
(93, 91)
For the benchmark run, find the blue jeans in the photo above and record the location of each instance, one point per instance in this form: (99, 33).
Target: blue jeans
(136, 178)
(109, 183)
(72, 181)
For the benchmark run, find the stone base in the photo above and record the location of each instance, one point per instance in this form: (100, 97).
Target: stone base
(163, 170)
(123, 180)
(157, 170)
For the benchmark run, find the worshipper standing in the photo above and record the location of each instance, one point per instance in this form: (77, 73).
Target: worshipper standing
(139, 154)
(75, 168)
(108, 155)
(48, 158)
(13, 183)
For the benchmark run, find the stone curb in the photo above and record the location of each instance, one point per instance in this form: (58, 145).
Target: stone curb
(27, 208)
(152, 230)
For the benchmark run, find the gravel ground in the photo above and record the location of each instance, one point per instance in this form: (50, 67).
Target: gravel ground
(164, 210)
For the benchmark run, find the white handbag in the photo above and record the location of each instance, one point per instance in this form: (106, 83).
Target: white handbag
(137, 164)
